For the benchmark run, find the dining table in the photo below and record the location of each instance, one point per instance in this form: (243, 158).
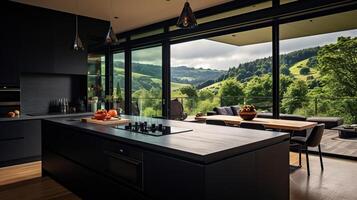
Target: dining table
(277, 124)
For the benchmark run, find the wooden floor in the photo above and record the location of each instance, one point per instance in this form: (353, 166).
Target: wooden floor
(337, 181)
(19, 173)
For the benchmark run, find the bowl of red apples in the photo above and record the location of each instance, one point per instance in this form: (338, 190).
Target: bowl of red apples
(248, 112)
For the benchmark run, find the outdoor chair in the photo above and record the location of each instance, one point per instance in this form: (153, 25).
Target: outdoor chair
(177, 110)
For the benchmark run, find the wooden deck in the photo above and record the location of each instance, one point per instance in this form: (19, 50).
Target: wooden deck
(332, 144)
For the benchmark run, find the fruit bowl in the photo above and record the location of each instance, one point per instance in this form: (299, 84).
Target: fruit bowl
(248, 112)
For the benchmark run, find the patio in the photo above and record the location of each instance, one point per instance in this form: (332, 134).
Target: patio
(332, 144)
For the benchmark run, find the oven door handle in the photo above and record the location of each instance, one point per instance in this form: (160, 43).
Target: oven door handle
(121, 157)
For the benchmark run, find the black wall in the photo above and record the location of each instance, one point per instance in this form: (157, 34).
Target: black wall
(38, 40)
(37, 90)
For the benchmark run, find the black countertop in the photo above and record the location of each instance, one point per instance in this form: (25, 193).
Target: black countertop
(48, 116)
(205, 144)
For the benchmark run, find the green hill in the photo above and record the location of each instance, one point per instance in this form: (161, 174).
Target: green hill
(296, 68)
(147, 76)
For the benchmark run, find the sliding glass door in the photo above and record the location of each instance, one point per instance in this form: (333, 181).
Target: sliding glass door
(319, 76)
(225, 70)
(146, 82)
(96, 81)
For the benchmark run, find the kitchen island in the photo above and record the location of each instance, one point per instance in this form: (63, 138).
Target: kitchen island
(208, 162)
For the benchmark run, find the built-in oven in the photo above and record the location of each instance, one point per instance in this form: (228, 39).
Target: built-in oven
(9, 100)
(123, 164)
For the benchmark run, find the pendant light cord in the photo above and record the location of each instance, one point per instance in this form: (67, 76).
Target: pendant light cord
(77, 9)
(76, 25)
(110, 11)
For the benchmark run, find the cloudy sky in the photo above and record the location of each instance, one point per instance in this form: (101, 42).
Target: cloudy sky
(211, 54)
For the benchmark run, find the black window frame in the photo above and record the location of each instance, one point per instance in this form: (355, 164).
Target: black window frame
(270, 17)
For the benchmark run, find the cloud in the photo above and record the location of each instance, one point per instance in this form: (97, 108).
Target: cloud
(211, 54)
(290, 45)
(151, 55)
(217, 55)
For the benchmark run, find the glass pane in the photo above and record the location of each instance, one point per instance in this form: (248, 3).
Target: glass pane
(318, 74)
(226, 70)
(147, 81)
(96, 81)
(119, 81)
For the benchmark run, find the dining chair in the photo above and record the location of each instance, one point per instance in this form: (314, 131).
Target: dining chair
(216, 122)
(252, 125)
(311, 140)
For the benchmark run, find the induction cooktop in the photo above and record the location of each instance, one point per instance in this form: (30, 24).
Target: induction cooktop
(152, 129)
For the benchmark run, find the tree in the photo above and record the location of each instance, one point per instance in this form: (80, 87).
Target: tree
(118, 93)
(338, 66)
(305, 71)
(205, 94)
(285, 82)
(231, 92)
(259, 91)
(191, 93)
(295, 97)
(285, 70)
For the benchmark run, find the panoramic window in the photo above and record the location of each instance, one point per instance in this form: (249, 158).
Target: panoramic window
(319, 75)
(227, 70)
(96, 81)
(147, 82)
(118, 81)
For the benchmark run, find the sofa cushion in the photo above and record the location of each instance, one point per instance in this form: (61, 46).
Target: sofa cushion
(292, 117)
(235, 110)
(265, 115)
(229, 110)
(282, 116)
(223, 110)
(330, 122)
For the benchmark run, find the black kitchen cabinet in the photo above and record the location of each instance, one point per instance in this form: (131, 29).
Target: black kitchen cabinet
(39, 40)
(36, 44)
(9, 40)
(20, 141)
(65, 59)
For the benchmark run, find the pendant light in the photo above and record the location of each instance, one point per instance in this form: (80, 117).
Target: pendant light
(111, 38)
(78, 45)
(187, 19)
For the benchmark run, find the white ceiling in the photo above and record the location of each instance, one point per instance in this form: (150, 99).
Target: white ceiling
(131, 13)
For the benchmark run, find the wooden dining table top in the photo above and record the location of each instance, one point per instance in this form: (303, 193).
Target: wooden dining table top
(291, 125)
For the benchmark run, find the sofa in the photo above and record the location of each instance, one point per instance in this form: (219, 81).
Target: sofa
(330, 122)
(234, 111)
